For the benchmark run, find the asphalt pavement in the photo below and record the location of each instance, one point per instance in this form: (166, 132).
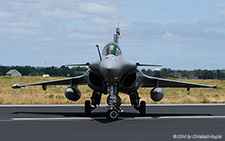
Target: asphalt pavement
(68, 122)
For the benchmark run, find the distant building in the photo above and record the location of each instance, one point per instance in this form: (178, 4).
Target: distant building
(13, 72)
(177, 75)
(46, 75)
(193, 77)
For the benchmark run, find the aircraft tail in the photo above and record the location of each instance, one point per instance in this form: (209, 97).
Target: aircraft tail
(117, 35)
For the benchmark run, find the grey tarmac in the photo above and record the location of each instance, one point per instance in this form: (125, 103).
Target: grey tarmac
(68, 122)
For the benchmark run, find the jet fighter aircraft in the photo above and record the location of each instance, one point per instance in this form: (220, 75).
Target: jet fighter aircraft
(112, 74)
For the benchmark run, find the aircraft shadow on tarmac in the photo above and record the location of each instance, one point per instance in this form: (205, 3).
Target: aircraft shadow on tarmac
(96, 115)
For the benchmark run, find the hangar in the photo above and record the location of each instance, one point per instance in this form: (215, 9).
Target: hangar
(13, 72)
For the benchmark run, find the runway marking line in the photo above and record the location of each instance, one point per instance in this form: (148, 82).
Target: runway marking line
(120, 118)
(103, 105)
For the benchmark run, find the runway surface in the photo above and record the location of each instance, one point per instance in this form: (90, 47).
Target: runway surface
(68, 122)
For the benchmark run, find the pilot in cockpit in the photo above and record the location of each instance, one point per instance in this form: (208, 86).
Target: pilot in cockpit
(111, 49)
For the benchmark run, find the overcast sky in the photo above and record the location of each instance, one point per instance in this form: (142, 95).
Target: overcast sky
(179, 34)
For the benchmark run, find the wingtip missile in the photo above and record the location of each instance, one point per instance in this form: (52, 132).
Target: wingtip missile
(87, 64)
(138, 64)
(16, 86)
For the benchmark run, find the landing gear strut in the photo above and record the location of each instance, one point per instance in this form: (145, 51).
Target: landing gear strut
(95, 99)
(114, 103)
(134, 99)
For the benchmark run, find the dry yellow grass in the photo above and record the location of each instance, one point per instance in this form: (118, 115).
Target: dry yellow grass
(55, 94)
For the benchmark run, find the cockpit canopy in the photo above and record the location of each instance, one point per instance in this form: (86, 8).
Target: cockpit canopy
(111, 49)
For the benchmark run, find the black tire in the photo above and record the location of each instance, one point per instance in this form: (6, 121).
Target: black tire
(112, 115)
(142, 109)
(87, 107)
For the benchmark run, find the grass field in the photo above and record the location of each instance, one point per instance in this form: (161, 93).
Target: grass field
(55, 94)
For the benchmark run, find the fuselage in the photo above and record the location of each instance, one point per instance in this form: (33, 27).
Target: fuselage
(112, 70)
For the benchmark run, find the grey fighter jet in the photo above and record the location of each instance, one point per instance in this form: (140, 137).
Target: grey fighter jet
(112, 74)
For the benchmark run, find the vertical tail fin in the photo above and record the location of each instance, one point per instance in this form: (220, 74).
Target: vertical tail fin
(117, 35)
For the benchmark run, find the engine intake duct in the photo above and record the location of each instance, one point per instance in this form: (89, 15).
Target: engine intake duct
(95, 80)
(129, 79)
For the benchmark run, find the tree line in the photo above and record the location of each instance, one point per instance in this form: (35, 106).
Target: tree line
(76, 71)
(187, 74)
(39, 71)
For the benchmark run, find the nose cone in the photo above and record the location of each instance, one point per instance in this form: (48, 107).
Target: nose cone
(111, 69)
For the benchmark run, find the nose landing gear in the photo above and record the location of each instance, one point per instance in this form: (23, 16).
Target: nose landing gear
(114, 102)
(112, 114)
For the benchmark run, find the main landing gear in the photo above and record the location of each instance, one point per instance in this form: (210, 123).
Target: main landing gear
(134, 99)
(114, 103)
(95, 99)
(88, 107)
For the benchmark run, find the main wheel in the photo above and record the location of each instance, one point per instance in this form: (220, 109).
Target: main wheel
(142, 109)
(87, 107)
(112, 114)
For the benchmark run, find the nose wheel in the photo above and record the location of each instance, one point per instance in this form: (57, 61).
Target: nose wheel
(112, 114)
